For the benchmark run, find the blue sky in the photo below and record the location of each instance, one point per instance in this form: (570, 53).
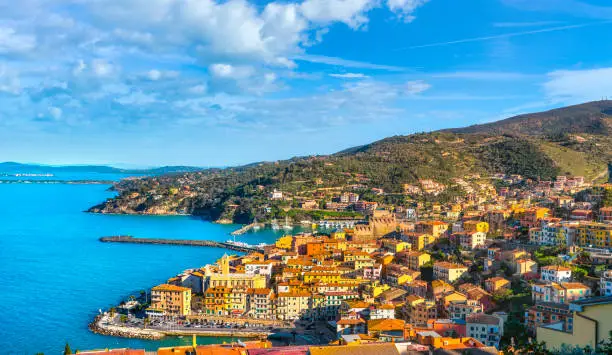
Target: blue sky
(216, 83)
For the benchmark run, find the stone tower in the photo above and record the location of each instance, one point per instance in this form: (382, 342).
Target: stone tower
(224, 264)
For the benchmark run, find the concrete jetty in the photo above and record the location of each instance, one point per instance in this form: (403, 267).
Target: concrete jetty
(184, 242)
(246, 228)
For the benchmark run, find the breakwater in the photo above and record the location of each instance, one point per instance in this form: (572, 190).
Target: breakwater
(194, 243)
(246, 228)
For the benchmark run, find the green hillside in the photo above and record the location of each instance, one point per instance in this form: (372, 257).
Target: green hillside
(240, 193)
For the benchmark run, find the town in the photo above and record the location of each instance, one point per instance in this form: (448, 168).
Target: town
(513, 265)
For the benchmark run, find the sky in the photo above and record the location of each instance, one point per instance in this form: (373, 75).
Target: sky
(227, 82)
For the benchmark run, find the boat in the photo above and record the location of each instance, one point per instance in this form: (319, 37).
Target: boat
(256, 225)
(287, 226)
(274, 225)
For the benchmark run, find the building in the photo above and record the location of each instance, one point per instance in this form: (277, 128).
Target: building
(564, 292)
(217, 301)
(292, 305)
(532, 217)
(419, 241)
(413, 259)
(486, 328)
(470, 240)
(385, 311)
(261, 303)
(605, 214)
(547, 313)
(434, 228)
(448, 272)
(525, 266)
(496, 283)
(171, 300)
(419, 310)
(605, 283)
(460, 309)
(592, 324)
(259, 268)
(555, 273)
(594, 234)
(475, 226)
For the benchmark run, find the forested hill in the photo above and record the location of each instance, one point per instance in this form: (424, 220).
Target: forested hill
(239, 193)
(592, 117)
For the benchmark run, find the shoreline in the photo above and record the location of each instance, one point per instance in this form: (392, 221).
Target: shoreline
(98, 326)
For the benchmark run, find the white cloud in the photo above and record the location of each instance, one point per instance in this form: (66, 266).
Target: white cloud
(416, 87)
(102, 68)
(55, 113)
(579, 85)
(12, 42)
(348, 76)
(351, 12)
(320, 59)
(405, 8)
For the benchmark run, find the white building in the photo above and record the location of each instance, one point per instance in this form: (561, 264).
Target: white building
(555, 273)
(385, 311)
(605, 285)
(259, 268)
(472, 240)
(486, 328)
(276, 195)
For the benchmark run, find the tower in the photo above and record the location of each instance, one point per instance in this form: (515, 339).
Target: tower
(224, 264)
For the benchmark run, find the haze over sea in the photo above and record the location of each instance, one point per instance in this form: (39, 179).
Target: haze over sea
(56, 274)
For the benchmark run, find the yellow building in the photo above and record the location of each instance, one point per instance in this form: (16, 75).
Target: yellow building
(592, 324)
(476, 226)
(394, 245)
(312, 276)
(435, 228)
(414, 259)
(217, 301)
(292, 305)
(419, 241)
(594, 234)
(340, 235)
(284, 242)
(171, 300)
(448, 271)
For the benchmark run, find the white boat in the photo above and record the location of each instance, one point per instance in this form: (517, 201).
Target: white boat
(274, 225)
(287, 226)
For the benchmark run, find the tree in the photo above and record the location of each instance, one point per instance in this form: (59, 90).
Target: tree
(123, 318)
(67, 350)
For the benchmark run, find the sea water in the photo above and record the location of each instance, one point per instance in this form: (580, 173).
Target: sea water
(55, 274)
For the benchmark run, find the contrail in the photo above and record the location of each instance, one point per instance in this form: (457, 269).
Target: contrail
(506, 35)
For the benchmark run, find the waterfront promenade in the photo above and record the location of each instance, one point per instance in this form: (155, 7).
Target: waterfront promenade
(194, 243)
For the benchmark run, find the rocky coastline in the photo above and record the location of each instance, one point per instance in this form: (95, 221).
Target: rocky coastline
(101, 326)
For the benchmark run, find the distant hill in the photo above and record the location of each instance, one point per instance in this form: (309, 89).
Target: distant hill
(569, 141)
(592, 118)
(13, 167)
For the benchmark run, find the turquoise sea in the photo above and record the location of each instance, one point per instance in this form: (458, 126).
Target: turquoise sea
(55, 274)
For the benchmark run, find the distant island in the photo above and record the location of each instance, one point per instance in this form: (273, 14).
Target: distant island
(431, 167)
(13, 168)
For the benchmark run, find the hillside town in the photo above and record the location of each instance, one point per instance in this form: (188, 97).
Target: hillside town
(512, 265)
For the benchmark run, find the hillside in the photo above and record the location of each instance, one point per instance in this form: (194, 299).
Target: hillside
(241, 193)
(591, 118)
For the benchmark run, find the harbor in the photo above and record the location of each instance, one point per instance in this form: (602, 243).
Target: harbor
(240, 247)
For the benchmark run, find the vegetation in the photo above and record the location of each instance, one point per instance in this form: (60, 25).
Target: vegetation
(67, 350)
(574, 140)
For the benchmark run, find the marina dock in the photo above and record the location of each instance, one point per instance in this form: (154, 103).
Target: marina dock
(184, 242)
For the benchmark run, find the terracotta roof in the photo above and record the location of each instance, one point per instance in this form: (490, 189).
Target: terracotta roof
(167, 287)
(386, 324)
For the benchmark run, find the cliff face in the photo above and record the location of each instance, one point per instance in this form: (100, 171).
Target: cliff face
(239, 194)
